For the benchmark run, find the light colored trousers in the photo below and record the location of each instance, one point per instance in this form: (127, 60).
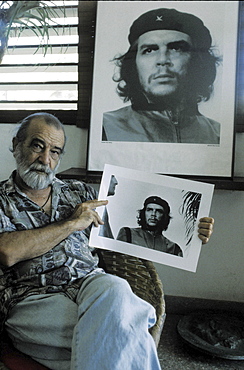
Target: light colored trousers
(106, 328)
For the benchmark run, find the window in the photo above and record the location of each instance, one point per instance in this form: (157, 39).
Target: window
(33, 79)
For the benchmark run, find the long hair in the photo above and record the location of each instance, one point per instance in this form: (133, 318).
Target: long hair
(200, 80)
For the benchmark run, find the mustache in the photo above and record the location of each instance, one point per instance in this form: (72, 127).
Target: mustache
(40, 168)
(166, 74)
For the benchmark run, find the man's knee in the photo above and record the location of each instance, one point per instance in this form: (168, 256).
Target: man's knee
(119, 285)
(105, 284)
(102, 289)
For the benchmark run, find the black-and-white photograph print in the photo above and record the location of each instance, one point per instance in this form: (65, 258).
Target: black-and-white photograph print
(162, 65)
(152, 216)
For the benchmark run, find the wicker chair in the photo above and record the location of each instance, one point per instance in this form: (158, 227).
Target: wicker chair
(144, 281)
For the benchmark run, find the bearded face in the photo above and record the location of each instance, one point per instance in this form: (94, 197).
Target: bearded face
(36, 175)
(153, 216)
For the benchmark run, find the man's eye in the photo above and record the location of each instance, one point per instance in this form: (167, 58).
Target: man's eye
(36, 147)
(55, 154)
(148, 50)
(181, 46)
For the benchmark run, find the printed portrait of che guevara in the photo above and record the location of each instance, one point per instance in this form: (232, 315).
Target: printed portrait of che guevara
(153, 219)
(168, 70)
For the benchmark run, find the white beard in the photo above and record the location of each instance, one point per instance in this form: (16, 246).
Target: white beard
(30, 176)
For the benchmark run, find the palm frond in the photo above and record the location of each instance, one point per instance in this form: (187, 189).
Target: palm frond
(36, 16)
(189, 210)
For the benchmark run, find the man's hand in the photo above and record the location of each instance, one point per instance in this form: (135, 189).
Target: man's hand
(26, 244)
(84, 214)
(205, 228)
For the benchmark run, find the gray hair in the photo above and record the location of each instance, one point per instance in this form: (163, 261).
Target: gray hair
(50, 120)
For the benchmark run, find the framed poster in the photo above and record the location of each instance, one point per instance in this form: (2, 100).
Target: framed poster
(152, 216)
(183, 123)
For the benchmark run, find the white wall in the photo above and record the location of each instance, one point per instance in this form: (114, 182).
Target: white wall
(220, 273)
(220, 270)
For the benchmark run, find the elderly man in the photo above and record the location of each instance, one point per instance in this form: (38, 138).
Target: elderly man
(57, 305)
(168, 69)
(153, 219)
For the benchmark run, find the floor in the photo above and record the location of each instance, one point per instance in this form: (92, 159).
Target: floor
(176, 355)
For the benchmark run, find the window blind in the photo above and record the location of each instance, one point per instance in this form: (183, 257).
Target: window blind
(32, 79)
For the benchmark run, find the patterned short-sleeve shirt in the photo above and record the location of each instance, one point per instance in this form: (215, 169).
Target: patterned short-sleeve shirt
(62, 268)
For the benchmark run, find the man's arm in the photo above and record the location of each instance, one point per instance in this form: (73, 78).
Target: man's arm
(205, 229)
(18, 246)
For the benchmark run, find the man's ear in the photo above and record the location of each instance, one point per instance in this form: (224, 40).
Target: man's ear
(15, 142)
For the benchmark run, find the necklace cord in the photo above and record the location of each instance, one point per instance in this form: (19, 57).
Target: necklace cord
(42, 207)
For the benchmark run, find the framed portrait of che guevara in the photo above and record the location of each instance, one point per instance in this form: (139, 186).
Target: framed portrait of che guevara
(163, 94)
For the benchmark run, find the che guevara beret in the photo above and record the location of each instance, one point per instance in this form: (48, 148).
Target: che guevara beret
(171, 19)
(157, 200)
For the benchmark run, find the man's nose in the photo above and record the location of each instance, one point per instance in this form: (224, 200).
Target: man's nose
(163, 57)
(44, 156)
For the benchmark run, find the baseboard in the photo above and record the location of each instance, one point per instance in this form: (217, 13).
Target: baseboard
(185, 305)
